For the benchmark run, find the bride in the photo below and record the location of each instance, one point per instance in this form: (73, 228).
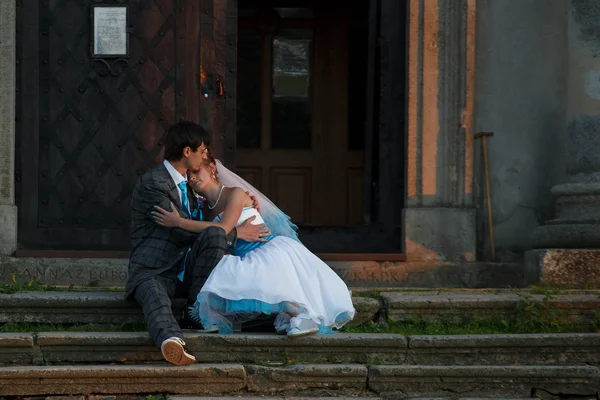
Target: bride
(277, 276)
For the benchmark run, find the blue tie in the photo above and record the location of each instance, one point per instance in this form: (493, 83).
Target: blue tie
(184, 197)
(186, 206)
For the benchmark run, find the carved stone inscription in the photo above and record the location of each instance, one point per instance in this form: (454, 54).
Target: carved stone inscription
(65, 275)
(75, 275)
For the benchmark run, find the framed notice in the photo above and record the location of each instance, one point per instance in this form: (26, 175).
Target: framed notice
(109, 31)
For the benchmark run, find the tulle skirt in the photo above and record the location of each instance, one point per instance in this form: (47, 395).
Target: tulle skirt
(271, 279)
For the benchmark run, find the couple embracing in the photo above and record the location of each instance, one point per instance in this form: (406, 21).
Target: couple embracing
(201, 232)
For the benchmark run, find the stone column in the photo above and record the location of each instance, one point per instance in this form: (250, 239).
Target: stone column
(8, 209)
(569, 245)
(439, 215)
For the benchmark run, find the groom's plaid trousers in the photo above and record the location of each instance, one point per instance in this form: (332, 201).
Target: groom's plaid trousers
(158, 252)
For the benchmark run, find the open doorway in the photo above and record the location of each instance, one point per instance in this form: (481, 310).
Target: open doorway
(306, 119)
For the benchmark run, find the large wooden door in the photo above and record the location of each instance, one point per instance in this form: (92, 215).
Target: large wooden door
(88, 129)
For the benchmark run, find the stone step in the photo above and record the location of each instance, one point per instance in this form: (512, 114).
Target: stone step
(270, 398)
(398, 381)
(64, 307)
(392, 381)
(86, 307)
(454, 307)
(198, 379)
(113, 272)
(250, 397)
(365, 396)
(326, 398)
(58, 348)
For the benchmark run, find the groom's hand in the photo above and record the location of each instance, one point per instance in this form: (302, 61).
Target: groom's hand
(252, 233)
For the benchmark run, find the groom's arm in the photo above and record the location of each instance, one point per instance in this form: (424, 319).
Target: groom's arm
(232, 239)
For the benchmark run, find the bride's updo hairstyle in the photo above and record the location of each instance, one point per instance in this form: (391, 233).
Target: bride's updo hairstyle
(211, 165)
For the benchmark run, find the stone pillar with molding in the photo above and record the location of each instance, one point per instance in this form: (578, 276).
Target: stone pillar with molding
(440, 217)
(8, 209)
(567, 248)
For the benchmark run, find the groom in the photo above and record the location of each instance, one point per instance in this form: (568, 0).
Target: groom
(160, 254)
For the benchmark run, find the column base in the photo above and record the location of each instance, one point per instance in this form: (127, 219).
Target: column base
(8, 229)
(577, 223)
(573, 268)
(440, 234)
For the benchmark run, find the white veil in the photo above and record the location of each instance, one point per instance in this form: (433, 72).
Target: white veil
(275, 219)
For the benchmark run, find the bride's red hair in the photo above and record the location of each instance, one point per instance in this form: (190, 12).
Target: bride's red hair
(211, 165)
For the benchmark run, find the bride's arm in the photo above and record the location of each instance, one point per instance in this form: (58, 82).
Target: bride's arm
(233, 209)
(172, 219)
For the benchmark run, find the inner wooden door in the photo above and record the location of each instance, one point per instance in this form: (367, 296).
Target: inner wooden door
(293, 113)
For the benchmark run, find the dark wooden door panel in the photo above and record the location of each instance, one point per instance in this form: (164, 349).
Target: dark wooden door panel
(293, 112)
(88, 134)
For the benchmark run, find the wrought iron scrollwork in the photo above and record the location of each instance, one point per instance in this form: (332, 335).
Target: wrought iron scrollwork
(110, 67)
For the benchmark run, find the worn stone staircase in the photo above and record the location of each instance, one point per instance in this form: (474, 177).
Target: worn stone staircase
(247, 365)
(389, 366)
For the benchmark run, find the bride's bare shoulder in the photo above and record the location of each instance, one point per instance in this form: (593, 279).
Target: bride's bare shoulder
(238, 193)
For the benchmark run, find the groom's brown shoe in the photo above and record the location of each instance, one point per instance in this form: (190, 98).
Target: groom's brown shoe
(173, 351)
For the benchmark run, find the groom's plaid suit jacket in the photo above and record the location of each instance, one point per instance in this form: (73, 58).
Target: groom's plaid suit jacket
(156, 249)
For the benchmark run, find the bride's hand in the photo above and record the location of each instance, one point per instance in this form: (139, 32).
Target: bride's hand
(254, 201)
(170, 219)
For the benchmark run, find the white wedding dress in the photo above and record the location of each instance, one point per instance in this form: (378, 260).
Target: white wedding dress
(267, 278)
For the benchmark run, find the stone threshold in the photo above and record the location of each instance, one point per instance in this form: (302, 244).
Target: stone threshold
(393, 381)
(112, 272)
(58, 348)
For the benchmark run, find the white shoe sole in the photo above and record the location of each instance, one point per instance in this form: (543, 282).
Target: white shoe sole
(174, 353)
(303, 333)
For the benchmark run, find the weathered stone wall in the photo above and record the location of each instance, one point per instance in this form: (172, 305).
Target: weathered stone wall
(521, 96)
(439, 217)
(8, 210)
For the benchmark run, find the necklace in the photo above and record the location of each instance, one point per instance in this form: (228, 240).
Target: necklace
(218, 198)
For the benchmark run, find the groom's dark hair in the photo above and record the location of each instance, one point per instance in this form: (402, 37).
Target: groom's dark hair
(184, 134)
